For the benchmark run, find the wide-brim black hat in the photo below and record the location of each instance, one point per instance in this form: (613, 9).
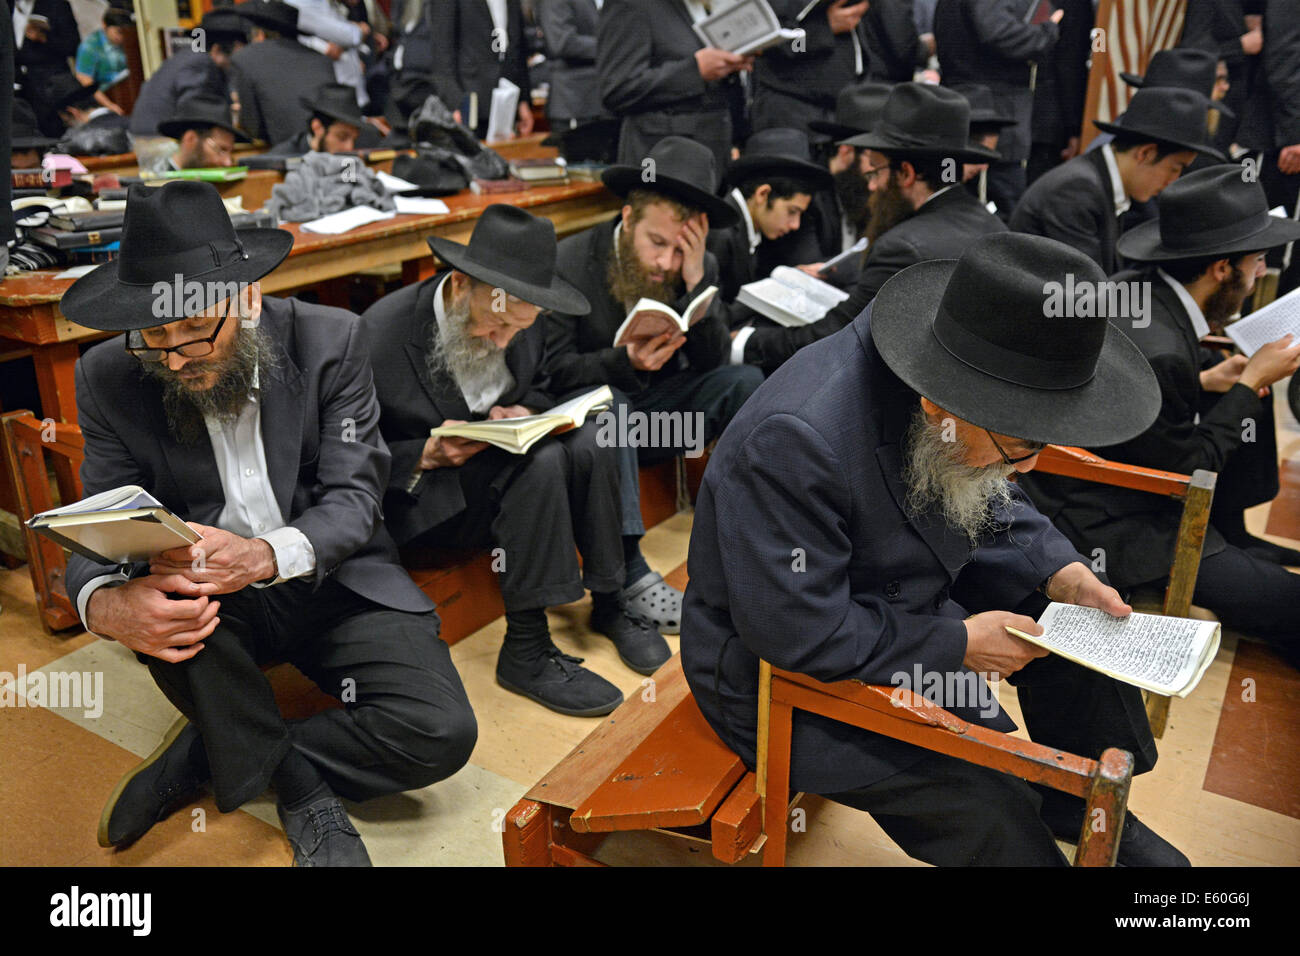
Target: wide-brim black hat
(857, 110)
(512, 249)
(179, 229)
(681, 169)
(1210, 212)
(271, 14)
(1185, 67)
(1167, 114)
(975, 337)
(777, 151)
(200, 111)
(225, 22)
(337, 101)
(921, 119)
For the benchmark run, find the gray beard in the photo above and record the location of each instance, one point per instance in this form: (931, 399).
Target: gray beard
(936, 477)
(456, 353)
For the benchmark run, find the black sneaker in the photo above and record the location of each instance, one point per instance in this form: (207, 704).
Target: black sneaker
(168, 778)
(557, 681)
(322, 835)
(640, 645)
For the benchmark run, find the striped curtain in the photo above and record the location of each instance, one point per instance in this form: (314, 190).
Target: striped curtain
(1126, 34)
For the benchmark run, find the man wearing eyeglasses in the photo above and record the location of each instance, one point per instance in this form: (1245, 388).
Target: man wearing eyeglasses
(205, 135)
(255, 420)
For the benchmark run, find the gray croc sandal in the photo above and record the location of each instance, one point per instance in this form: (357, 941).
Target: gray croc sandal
(651, 600)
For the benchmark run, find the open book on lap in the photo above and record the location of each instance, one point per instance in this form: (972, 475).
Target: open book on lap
(119, 526)
(791, 297)
(650, 317)
(518, 435)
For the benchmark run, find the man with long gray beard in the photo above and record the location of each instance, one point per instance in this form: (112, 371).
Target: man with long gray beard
(253, 418)
(855, 522)
(466, 344)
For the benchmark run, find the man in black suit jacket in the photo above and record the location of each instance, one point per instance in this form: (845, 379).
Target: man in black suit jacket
(476, 52)
(43, 47)
(255, 419)
(275, 73)
(202, 70)
(1210, 414)
(464, 345)
(569, 30)
(828, 541)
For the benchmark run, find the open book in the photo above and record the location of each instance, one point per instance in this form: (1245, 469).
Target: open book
(517, 435)
(1268, 324)
(650, 317)
(791, 297)
(115, 527)
(1165, 655)
(747, 26)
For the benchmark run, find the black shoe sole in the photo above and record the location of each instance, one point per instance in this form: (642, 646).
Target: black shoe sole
(598, 711)
(169, 738)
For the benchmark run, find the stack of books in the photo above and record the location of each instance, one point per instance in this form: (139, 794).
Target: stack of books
(540, 172)
(84, 237)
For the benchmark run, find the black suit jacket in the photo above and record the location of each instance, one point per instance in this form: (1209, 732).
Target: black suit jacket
(271, 79)
(943, 228)
(825, 64)
(320, 424)
(1073, 203)
(181, 74)
(465, 61)
(52, 55)
(802, 554)
(579, 349)
(569, 29)
(399, 329)
(1271, 118)
(893, 45)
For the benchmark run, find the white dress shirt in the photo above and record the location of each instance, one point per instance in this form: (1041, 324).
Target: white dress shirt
(22, 10)
(481, 391)
(500, 26)
(1118, 195)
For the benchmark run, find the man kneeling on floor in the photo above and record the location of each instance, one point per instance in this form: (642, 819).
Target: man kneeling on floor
(255, 419)
(855, 522)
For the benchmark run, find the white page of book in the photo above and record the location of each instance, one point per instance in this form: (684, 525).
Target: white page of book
(740, 27)
(125, 498)
(823, 293)
(1268, 324)
(505, 104)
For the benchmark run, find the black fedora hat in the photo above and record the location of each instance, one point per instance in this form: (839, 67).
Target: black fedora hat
(1209, 212)
(857, 110)
(974, 336)
(681, 169)
(514, 250)
(179, 229)
(1185, 67)
(593, 141)
(337, 101)
(225, 23)
(777, 151)
(1167, 114)
(24, 133)
(66, 90)
(200, 111)
(921, 119)
(984, 110)
(271, 14)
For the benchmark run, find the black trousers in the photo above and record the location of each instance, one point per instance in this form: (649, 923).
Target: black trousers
(536, 508)
(1254, 596)
(406, 724)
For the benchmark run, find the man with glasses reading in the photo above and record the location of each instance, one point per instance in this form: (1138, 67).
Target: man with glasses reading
(203, 130)
(255, 420)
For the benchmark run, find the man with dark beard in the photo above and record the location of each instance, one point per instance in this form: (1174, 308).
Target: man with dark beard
(253, 418)
(1202, 256)
(466, 344)
(917, 209)
(855, 523)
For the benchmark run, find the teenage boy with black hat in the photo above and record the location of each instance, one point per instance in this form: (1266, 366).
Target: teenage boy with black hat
(466, 344)
(254, 419)
(334, 125)
(1200, 258)
(202, 68)
(204, 131)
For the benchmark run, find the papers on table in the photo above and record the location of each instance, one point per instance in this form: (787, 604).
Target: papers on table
(505, 104)
(395, 184)
(346, 220)
(420, 205)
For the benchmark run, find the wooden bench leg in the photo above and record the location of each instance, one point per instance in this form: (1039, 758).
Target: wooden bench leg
(526, 838)
(1103, 817)
(777, 802)
(1158, 713)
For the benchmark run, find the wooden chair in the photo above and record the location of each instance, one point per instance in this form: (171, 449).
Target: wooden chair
(1195, 491)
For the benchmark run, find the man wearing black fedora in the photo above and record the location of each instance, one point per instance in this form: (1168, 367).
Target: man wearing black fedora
(333, 127)
(255, 420)
(918, 209)
(204, 133)
(1081, 202)
(275, 73)
(656, 247)
(855, 522)
(465, 344)
(1201, 258)
(202, 68)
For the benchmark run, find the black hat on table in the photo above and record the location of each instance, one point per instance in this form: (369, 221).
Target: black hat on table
(1210, 212)
(777, 151)
(857, 110)
(182, 229)
(337, 101)
(921, 119)
(681, 169)
(25, 134)
(974, 336)
(200, 111)
(1185, 67)
(270, 14)
(1166, 114)
(512, 249)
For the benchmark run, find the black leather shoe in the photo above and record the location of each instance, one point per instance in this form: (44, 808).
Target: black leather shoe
(557, 681)
(1139, 845)
(322, 835)
(640, 645)
(168, 778)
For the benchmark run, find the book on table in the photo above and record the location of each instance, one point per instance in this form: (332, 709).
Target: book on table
(118, 526)
(213, 174)
(1267, 324)
(790, 297)
(744, 27)
(518, 435)
(1165, 655)
(650, 317)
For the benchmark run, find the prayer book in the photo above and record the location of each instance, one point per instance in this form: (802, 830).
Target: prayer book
(1268, 324)
(790, 297)
(747, 26)
(1165, 655)
(505, 106)
(120, 526)
(650, 317)
(518, 435)
(215, 174)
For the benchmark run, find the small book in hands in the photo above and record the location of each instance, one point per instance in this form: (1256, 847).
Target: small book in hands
(518, 435)
(120, 526)
(650, 317)
(1165, 655)
(791, 297)
(744, 27)
(1267, 324)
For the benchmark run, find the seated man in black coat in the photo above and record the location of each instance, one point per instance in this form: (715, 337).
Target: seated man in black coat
(273, 74)
(441, 357)
(335, 123)
(202, 69)
(203, 130)
(1202, 256)
(855, 522)
(78, 108)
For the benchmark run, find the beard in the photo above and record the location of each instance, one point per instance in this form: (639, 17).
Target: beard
(453, 351)
(629, 280)
(887, 208)
(1225, 300)
(186, 408)
(853, 196)
(937, 478)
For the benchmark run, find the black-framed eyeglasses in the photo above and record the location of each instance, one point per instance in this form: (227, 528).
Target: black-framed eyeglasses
(1035, 445)
(195, 348)
(869, 175)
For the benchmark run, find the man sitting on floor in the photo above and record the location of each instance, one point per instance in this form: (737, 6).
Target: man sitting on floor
(465, 344)
(253, 418)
